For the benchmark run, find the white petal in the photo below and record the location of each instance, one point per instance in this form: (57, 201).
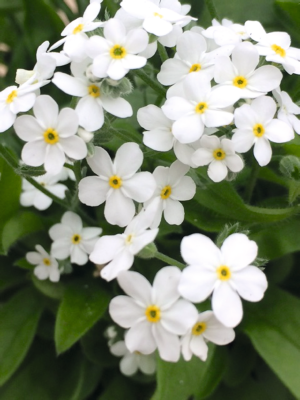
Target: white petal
(202, 157)
(184, 190)
(67, 123)
(242, 140)
(78, 255)
(152, 117)
(165, 286)
(168, 344)
(136, 286)
(196, 283)
(121, 262)
(227, 305)
(136, 41)
(265, 79)
(125, 311)
(70, 85)
(60, 249)
(159, 139)
(198, 249)
(101, 163)
(128, 160)
(279, 132)
(119, 210)
(33, 153)
(90, 113)
(55, 159)
(147, 364)
(46, 111)
(245, 57)
(188, 129)
(217, 171)
(41, 272)
(216, 332)
(143, 240)
(118, 107)
(251, 283)
(128, 364)
(28, 128)
(238, 251)
(74, 147)
(234, 163)
(262, 151)
(172, 321)
(106, 248)
(73, 221)
(199, 347)
(92, 191)
(173, 212)
(140, 338)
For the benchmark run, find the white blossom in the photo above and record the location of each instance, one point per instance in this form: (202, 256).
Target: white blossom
(287, 109)
(46, 264)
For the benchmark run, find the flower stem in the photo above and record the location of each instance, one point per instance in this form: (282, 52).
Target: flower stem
(212, 9)
(158, 88)
(252, 181)
(162, 52)
(169, 260)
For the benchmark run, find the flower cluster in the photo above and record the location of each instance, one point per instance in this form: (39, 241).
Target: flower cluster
(223, 98)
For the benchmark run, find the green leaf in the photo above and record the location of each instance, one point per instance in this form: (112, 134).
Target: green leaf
(54, 290)
(289, 10)
(24, 264)
(280, 240)
(26, 170)
(19, 318)
(119, 389)
(9, 276)
(195, 377)
(11, 5)
(273, 327)
(19, 226)
(83, 304)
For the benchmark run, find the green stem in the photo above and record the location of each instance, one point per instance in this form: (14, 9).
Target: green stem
(157, 87)
(252, 181)
(162, 52)
(168, 260)
(212, 9)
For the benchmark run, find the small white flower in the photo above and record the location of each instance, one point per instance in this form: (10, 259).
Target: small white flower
(131, 362)
(117, 183)
(50, 135)
(275, 46)
(116, 53)
(220, 155)
(71, 239)
(14, 100)
(46, 265)
(93, 101)
(225, 272)
(199, 106)
(287, 109)
(172, 187)
(155, 315)
(255, 125)
(32, 196)
(240, 77)
(75, 40)
(226, 33)
(207, 328)
(119, 250)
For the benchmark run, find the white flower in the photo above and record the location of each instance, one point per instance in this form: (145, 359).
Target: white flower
(224, 272)
(50, 135)
(172, 187)
(158, 17)
(131, 362)
(226, 33)
(240, 77)
(117, 183)
(17, 99)
(155, 315)
(32, 196)
(115, 54)
(207, 328)
(93, 101)
(255, 125)
(201, 106)
(275, 46)
(75, 40)
(71, 239)
(46, 265)
(220, 155)
(119, 250)
(287, 109)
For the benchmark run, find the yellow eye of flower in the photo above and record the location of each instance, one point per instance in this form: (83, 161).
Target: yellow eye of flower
(77, 29)
(278, 50)
(94, 91)
(258, 130)
(10, 98)
(115, 182)
(199, 328)
(201, 108)
(51, 136)
(157, 15)
(117, 52)
(76, 239)
(195, 68)
(240, 82)
(166, 192)
(152, 313)
(47, 262)
(219, 154)
(223, 273)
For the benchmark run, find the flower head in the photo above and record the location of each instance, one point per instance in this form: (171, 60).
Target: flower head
(46, 265)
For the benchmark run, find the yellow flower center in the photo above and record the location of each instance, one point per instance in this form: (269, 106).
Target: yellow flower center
(201, 108)
(76, 239)
(51, 136)
(195, 68)
(158, 15)
(240, 82)
(258, 130)
(199, 328)
(223, 273)
(117, 52)
(10, 98)
(152, 313)
(166, 192)
(94, 91)
(278, 50)
(128, 239)
(219, 154)
(47, 262)
(115, 182)
(77, 29)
